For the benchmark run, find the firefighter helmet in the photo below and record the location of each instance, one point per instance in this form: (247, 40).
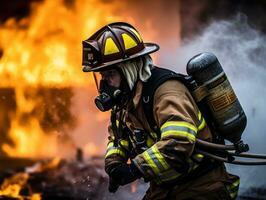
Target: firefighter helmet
(112, 44)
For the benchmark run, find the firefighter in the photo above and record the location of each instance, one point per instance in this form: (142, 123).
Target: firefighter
(120, 62)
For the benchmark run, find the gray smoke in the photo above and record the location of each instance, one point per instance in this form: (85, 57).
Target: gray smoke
(241, 51)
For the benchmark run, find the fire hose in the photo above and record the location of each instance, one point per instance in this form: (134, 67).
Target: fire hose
(227, 153)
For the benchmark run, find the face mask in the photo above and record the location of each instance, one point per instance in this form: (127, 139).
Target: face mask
(109, 96)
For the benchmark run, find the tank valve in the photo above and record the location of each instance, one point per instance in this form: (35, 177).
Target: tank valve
(241, 147)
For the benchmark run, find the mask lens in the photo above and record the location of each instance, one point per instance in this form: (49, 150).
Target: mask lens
(112, 77)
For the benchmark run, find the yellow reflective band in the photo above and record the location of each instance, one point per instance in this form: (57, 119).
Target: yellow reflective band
(233, 188)
(236, 183)
(150, 141)
(154, 135)
(202, 125)
(175, 123)
(233, 194)
(178, 134)
(115, 151)
(159, 157)
(112, 137)
(202, 120)
(110, 144)
(117, 123)
(199, 115)
(151, 163)
(155, 161)
(110, 47)
(136, 33)
(198, 155)
(129, 42)
(124, 143)
(169, 175)
(166, 176)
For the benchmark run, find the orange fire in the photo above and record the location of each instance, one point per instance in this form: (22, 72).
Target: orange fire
(44, 50)
(12, 186)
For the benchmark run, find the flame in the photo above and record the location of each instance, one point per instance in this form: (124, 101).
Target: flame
(44, 50)
(44, 166)
(12, 186)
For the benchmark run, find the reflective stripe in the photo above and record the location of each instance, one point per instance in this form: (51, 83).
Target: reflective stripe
(115, 150)
(165, 176)
(155, 160)
(150, 141)
(233, 189)
(124, 143)
(110, 145)
(178, 133)
(178, 123)
(150, 161)
(183, 129)
(154, 135)
(169, 175)
(117, 123)
(160, 158)
(179, 128)
(198, 155)
(233, 195)
(202, 121)
(236, 183)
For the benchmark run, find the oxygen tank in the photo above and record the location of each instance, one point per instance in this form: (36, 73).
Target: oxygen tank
(218, 95)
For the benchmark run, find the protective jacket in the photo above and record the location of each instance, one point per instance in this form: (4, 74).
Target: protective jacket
(168, 160)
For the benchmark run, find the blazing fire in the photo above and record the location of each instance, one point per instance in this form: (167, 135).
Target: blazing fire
(12, 186)
(43, 91)
(43, 50)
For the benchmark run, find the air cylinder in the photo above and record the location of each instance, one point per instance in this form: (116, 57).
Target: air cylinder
(226, 112)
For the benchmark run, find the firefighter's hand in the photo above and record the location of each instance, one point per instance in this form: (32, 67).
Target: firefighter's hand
(113, 185)
(125, 173)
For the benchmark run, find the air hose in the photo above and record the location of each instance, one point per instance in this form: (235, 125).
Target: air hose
(226, 153)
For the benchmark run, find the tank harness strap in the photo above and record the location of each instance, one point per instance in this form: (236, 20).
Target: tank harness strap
(158, 77)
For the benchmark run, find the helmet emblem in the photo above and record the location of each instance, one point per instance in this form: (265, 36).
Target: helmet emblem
(90, 56)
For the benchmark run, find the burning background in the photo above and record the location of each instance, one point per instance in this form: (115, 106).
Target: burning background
(46, 101)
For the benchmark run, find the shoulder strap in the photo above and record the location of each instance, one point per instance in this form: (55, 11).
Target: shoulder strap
(158, 77)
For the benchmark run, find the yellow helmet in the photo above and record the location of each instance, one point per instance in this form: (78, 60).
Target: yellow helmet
(114, 43)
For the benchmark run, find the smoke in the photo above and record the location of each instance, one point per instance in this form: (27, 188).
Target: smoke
(241, 51)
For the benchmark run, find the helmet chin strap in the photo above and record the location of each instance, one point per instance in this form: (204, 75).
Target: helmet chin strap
(125, 94)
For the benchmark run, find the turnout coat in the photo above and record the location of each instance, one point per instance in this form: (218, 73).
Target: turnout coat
(166, 160)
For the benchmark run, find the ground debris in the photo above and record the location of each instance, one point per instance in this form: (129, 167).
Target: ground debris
(56, 179)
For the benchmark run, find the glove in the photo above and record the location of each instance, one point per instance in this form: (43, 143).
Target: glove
(124, 173)
(113, 185)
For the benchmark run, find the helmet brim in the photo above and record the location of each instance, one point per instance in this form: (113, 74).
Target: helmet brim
(148, 48)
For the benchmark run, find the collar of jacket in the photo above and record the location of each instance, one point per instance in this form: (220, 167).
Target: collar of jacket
(135, 101)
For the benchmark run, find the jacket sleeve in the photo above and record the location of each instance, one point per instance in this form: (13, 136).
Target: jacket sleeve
(116, 154)
(179, 120)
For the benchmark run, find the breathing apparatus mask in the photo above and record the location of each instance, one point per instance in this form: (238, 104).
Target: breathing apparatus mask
(111, 87)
